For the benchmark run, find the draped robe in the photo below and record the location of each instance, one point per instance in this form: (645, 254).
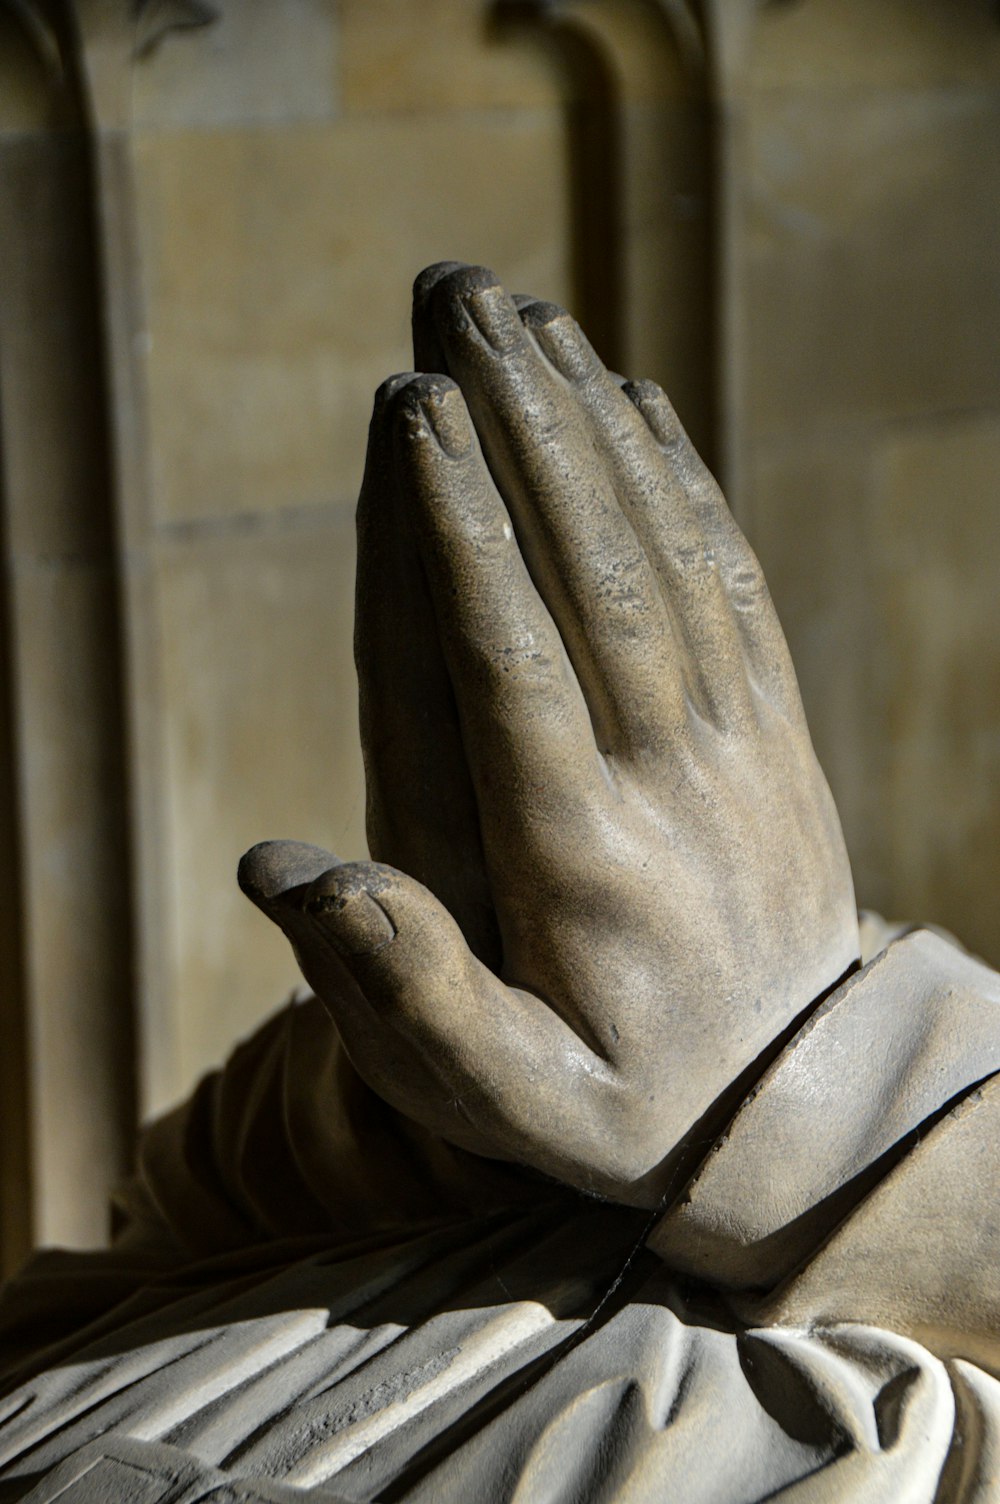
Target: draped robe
(309, 1292)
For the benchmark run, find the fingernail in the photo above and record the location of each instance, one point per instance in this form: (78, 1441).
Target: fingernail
(353, 921)
(272, 869)
(388, 390)
(448, 420)
(562, 341)
(429, 278)
(428, 351)
(652, 403)
(494, 316)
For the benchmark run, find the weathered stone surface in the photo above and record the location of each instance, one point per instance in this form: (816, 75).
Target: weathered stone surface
(342, 1366)
(616, 673)
(920, 1254)
(497, 1355)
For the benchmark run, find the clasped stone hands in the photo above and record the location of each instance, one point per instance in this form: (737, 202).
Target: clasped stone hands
(607, 870)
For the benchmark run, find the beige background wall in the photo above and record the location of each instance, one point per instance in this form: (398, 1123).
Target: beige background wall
(872, 289)
(794, 227)
(281, 217)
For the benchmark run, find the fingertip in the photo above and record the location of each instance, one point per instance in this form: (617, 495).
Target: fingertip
(388, 389)
(426, 281)
(272, 870)
(346, 905)
(423, 384)
(470, 304)
(449, 421)
(653, 404)
(537, 312)
(462, 278)
(390, 923)
(380, 429)
(428, 350)
(438, 293)
(561, 340)
(434, 405)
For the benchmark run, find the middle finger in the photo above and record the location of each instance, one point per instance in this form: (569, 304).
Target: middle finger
(584, 556)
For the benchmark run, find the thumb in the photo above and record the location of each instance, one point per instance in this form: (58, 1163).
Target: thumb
(275, 874)
(415, 1008)
(361, 933)
(397, 941)
(427, 1025)
(487, 1066)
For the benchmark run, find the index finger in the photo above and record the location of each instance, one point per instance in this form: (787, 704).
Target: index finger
(526, 728)
(421, 807)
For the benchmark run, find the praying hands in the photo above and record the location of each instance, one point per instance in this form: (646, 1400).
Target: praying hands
(607, 871)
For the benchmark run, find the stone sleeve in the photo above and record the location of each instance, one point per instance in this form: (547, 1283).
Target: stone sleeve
(858, 1180)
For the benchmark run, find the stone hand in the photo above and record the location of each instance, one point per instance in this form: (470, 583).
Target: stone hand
(584, 738)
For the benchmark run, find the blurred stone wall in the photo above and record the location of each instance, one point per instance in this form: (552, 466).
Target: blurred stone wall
(871, 281)
(294, 164)
(789, 216)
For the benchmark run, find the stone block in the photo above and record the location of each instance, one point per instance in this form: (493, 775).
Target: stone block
(940, 548)
(261, 741)
(76, 925)
(256, 63)
(881, 553)
(810, 519)
(406, 55)
(871, 261)
(277, 306)
(828, 46)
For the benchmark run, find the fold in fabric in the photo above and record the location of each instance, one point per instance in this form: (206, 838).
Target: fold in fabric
(311, 1293)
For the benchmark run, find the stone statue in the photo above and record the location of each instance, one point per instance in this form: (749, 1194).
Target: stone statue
(596, 1166)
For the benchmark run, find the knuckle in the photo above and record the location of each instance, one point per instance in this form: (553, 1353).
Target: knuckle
(623, 580)
(644, 390)
(522, 665)
(550, 431)
(696, 561)
(747, 587)
(655, 406)
(703, 489)
(627, 598)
